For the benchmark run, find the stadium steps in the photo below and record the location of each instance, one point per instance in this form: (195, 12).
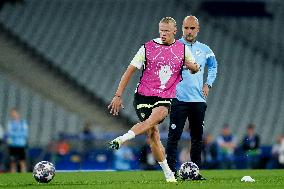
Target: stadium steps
(248, 87)
(241, 94)
(27, 69)
(38, 111)
(261, 33)
(75, 28)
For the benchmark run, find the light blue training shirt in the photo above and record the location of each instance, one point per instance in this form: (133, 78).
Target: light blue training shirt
(17, 133)
(190, 88)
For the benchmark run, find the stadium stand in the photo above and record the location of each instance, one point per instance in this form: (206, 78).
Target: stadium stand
(262, 33)
(94, 41)
(44, 117)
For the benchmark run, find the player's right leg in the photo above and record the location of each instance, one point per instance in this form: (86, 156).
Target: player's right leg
(158, 114)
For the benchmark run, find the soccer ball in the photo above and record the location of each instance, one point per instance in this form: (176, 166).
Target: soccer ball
(44, 172)
(188, 171)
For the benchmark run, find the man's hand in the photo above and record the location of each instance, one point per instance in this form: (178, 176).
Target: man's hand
(115, 105)
(196, 68)
(116, 102)
(193, 66)
(205, 90)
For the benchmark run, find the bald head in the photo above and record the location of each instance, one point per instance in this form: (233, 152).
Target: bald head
(192, 19)
(190, 28)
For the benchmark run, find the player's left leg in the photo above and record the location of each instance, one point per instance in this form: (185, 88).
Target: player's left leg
(158, 151)
(156, 146)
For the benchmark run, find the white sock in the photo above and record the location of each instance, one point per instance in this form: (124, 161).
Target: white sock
(127, 136)
(165, 166)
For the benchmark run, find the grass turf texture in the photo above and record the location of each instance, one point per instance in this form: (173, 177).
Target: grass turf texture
(216, 179)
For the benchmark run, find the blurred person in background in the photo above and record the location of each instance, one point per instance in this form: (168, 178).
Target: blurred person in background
(250, 146)
(281, 153)
(210, 153)
(62, 145)
(190, 101)
(2, 148)
(162, 60)
(277, 159)
(123, 158)
(1, 135)
(87, 137)
(227, 144)
(17, 141)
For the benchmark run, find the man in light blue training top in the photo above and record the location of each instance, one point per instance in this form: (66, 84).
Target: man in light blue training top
(17, 140)
(190, 102)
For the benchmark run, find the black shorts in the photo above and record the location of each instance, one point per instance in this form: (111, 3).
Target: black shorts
(17, 153)
(144, 105)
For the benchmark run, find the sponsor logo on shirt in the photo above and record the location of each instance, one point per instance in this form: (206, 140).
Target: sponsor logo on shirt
(198, 52)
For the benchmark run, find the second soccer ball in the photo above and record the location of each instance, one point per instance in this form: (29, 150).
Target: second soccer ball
(188, 171)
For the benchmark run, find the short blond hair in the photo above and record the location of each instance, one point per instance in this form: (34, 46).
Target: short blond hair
(169, 20)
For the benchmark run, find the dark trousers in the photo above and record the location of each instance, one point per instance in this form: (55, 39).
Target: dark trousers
(195, 113)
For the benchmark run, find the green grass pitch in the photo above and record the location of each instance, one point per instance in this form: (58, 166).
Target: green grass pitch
(216, 179)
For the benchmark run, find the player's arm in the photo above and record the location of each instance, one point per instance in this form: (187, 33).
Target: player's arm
(189, 61)
(135, 64)
(116, 102)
